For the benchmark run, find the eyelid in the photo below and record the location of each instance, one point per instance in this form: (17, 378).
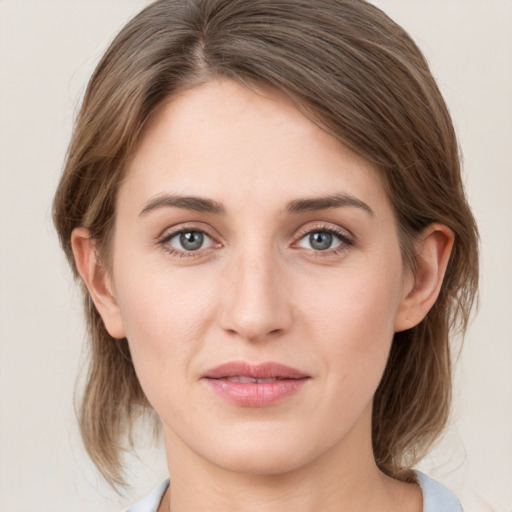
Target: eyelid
(182, 227)
(309, 228)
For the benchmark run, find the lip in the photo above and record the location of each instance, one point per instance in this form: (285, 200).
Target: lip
(254, 385)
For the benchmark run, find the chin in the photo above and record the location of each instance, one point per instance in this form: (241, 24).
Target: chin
(260, 461)
(263, 453)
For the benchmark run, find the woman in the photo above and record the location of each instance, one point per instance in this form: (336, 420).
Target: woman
(263, 201)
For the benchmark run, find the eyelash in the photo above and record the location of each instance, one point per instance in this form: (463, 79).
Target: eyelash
(345, 239)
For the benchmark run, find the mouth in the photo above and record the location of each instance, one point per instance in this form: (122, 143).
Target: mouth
(244, 379)
(254, 385)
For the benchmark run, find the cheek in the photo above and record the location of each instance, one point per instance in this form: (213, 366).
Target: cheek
(165, 317)
(353, 320)
(359, 299)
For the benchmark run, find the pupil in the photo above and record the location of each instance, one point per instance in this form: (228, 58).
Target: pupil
(320, 241)
(192, 240)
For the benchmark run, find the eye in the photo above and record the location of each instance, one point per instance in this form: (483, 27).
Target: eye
(324, 240)
(188, 240)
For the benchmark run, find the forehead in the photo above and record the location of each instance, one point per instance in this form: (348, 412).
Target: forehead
(235, 144)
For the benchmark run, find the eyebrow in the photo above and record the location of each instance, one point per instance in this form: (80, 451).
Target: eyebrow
(201, 204)
(198, 204)
(325, 202)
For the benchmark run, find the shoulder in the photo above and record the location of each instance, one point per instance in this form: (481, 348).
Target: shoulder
(436, 497)
(151, 501)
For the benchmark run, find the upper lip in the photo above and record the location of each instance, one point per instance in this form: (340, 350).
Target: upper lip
(267, 370)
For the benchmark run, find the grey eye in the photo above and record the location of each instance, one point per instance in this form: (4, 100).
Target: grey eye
(320, 241)
(190, 240)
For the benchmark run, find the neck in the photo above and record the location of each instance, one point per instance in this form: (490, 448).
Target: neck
(343, 478)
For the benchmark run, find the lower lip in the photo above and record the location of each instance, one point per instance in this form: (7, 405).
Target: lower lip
(256, 394)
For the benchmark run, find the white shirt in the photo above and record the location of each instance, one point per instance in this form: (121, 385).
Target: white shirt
(436, 497)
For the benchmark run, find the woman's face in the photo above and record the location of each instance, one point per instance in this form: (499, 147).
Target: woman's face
(258, 276)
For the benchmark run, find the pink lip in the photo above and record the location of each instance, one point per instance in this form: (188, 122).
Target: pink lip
(279, 382)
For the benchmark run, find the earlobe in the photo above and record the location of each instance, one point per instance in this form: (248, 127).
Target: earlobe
(97, 281)
(422, 288)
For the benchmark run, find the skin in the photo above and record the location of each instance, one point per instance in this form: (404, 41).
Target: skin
(257, 290)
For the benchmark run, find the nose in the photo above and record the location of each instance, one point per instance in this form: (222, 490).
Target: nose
(255, 304)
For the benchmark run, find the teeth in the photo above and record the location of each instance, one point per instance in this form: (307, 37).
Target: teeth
(249, 380)
(242, 379)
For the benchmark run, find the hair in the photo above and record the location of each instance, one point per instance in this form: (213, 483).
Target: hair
(356, 74)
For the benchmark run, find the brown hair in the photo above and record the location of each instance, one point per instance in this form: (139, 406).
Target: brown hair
(356, 74)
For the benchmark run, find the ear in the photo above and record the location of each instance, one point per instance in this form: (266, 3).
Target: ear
(97, 281)
(422, 285)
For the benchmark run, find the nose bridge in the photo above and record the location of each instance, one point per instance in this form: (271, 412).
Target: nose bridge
(255, 304)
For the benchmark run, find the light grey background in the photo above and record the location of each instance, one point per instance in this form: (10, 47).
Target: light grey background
(48, 50)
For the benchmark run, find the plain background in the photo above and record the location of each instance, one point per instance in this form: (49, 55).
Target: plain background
(48, 50)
